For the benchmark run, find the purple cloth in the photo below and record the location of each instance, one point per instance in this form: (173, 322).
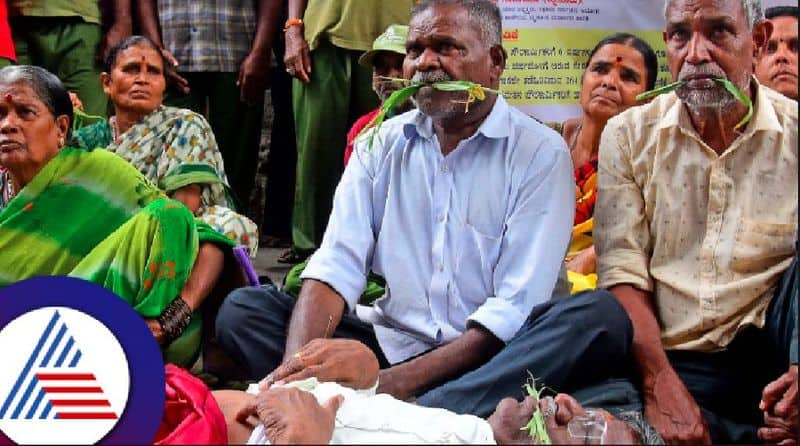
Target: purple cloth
(240, 253)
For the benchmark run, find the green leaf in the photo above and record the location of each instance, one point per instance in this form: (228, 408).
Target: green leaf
(80, 119)
(411, 88)
(536, 427)
(741, 97)
(659, 91)
(395, 99)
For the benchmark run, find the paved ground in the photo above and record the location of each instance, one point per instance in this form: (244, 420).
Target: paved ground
(266, 263)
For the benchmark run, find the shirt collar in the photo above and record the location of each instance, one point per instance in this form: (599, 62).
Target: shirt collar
(764, 116)
(496, 125)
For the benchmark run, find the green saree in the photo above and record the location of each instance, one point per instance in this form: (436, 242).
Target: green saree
(174, 148)
(89, 214)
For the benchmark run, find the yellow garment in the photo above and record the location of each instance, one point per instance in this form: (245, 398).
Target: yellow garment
(581, 239)
(708, 235)
(352, 24)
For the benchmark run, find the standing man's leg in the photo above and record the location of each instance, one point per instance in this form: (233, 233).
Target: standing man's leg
(253, 321)
(66, 46)
(282, 156)
(322, 115)
(566, 344)
(237, 127)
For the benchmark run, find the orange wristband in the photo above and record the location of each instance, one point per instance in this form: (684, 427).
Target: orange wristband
(290, 23)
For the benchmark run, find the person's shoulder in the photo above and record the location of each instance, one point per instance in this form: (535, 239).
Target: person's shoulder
(638, 125)
(533, 134)
(785, 108)
(184, 115)
(646, 115)
(393, 133)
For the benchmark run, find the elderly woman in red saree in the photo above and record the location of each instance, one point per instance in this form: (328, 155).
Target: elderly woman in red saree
(620, 67)
(89, 214)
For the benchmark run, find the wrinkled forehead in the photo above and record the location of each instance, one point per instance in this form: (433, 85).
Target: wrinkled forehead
(451, 21)
(139, 53)
(690, 10)
(18, 91)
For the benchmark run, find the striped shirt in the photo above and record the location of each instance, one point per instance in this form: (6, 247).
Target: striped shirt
(208, 35)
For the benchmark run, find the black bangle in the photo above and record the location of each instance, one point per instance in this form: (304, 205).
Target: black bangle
(175, 319)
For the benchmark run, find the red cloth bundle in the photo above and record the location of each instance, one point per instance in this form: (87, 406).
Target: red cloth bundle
(191, 414)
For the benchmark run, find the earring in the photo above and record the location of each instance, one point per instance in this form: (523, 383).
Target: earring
(61, 142)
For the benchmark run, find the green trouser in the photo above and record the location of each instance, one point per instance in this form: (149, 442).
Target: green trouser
(340, 92)
(67, 47)
(236, 125)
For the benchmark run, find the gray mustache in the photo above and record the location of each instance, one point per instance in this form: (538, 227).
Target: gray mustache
(429, 78)
(702, 70)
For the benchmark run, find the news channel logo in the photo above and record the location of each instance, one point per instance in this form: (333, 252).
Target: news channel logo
(79, 366)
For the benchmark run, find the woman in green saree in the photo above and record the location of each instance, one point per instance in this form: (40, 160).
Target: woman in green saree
(174, 148)
(89, 214)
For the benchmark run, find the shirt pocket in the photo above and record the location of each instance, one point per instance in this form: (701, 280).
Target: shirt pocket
(478, 253)
(760, 245)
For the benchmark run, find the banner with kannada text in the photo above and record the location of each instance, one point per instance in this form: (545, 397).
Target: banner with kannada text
(549, 41)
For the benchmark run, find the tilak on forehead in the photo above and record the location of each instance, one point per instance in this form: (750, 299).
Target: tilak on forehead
(9, 98)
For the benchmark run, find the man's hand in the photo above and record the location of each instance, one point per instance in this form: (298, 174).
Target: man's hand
(254, 77)
(173, 78)
(344, 361)
(292, 416)
(116, 33)
(297, 57)
(584, 262)
(672, 410)
(779, 404)
(76, 101)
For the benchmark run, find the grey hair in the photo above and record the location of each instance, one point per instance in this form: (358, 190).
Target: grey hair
(45, 84)
(753, 11)
(484, 13)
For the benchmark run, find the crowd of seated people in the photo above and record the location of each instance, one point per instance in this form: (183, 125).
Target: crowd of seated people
(630, 261)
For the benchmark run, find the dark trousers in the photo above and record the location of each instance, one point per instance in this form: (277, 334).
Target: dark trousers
(236, 126)
(566, 344)
(728, 384)
(282, 156)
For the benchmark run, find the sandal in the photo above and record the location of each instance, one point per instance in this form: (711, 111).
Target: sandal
(292, 257)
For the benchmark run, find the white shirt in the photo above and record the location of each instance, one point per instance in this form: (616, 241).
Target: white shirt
(478, 235)
(367, 418)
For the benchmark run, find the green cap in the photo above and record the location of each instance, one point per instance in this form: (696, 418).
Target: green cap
(393, 40)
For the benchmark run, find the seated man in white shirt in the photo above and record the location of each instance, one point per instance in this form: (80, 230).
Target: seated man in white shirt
(302, 410)
(467, 214)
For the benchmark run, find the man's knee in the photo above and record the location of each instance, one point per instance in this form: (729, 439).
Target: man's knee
(240, 305)
(601, 311)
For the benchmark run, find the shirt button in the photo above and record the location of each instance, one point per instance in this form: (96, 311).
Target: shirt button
(440, 267)
(444, 168)
(441, 217)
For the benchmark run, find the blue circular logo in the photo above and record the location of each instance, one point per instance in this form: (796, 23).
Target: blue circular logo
(79, 366)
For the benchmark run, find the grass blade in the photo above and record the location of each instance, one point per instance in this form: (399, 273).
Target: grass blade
(536, 427)
(475, 92)
(659, 91)
(741, 97)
